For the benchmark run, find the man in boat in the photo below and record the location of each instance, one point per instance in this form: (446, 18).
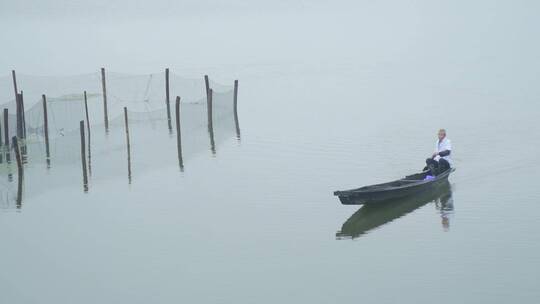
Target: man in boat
(441, 159)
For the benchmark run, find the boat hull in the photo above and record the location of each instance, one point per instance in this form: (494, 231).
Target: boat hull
(380, 193)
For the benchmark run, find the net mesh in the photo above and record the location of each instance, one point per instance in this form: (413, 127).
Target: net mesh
(152, 135)
(143, 95)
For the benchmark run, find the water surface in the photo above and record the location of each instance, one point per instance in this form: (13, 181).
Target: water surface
(257, 222)
(333, 95)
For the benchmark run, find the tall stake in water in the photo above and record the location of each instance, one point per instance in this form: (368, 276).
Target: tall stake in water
(6, 135)
(14, 76)
(21, 129)
(46, 130)
(207, 86)
(235, 106)
(1, 134)
(210, 121)
(6, 128)
(88, 131)
(83, 157)
(105, 111)
(167, 99)
(23, 123)
(2, 148)
(18, 109)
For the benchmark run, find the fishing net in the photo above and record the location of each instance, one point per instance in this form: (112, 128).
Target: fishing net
(152, 127)
(143, 95)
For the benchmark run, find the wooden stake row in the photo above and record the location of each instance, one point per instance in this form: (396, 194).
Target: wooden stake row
(21, 125)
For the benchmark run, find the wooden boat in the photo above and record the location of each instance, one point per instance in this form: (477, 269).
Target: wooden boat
(410, 185)
(372, 216)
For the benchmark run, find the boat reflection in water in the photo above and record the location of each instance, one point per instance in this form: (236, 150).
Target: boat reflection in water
(445, 205)
(370, 217)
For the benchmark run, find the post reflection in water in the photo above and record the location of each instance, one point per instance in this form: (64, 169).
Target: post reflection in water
(20, 182)
(12, 198)
(179, 135)
(370, 217)
(9, 173)
(129, 163)
(237, 125)
(212, 139)
(235, 110)
(89, 160)
(12, 192)
(211, 121)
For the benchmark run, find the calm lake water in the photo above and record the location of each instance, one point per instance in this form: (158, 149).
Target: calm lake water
(256, 222)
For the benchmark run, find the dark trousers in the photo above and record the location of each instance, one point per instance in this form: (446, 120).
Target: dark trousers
(437, 167)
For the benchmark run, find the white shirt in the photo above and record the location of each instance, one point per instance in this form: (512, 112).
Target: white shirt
(442, 145)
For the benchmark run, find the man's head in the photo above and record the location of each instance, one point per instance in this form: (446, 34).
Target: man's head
(442, 134)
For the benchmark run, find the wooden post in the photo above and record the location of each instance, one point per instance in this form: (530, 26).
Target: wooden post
(128, 143)
(89, 134)
(105, 111)
(14, 84)
(46, 127)
(83, 157)
(23, 122)
(167, 99)
(1, 140)
(210, 121)
(6, 135)
(207, 85)
(209, 108)
(6, 128)
(235, 106)
(235, 98)
(17, 120)
(23, 132)
(1, 144)
(20, 171)
(179, 134)
(86, 114)
(18, 115)
(127, 125)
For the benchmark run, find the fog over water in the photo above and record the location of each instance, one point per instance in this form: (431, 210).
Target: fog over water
(332, 95)
(481, 42)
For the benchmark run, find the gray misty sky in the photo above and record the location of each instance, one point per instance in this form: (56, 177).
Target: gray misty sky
(487, 40)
